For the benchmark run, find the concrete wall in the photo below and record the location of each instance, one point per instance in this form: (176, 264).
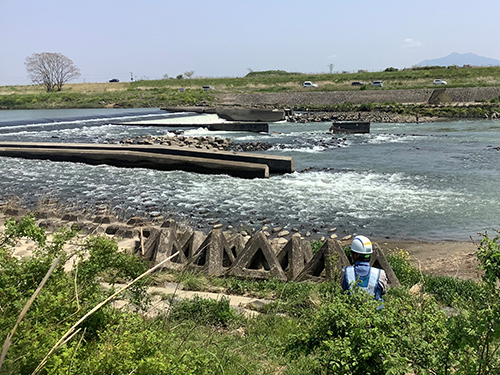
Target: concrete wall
(458, 95)
(133, 159)
(276, 164)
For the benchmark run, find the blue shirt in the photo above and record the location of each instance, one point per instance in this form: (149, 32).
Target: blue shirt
(362, 272)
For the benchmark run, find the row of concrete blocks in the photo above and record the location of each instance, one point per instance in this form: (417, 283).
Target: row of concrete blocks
(218, 255)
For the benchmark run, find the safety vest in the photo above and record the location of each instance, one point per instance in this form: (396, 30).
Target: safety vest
(368, 283)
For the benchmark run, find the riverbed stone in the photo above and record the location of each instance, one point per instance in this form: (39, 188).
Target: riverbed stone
(283, 233)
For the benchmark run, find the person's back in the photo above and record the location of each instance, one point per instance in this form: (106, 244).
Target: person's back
(370, 279)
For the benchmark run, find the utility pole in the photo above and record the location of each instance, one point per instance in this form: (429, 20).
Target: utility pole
(131, 76)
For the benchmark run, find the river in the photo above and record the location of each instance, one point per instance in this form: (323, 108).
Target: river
(430, 181)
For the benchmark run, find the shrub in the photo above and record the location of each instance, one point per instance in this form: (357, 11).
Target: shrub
(407, 274)
(350, 336)
(316, 246)
(206, 311)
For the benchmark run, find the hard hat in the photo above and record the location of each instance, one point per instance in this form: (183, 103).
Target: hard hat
(361, 245)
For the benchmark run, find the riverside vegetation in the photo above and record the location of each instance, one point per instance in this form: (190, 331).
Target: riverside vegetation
(157, 93)
(430, 325)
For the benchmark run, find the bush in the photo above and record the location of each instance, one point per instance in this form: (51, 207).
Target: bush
(350, 336)
(205, 311)
(407, 274)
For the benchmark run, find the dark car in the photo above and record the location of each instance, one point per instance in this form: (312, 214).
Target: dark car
(114, 80)
(358, 83)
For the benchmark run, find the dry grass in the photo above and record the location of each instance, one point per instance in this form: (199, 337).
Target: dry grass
(86, 88)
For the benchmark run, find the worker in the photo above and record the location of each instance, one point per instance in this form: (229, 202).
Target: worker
(370, 279)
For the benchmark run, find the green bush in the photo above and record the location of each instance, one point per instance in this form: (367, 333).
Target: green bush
(316, 246)
(406, 273)
(349, 335)
(206, 311)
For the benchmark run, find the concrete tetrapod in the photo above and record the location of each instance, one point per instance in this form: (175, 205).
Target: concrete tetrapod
(294, 256)
(214, 255)
(258, 261)
(329, 259)
(236, 244)
(192, 244)
(379, 260)
(160, 245)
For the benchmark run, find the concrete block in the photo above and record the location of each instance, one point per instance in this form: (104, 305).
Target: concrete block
(214, 255)
(258, 261)
(149, 243)
(379, 260)
(236, 243)
(193, 243)
(168, 245)
(293, 257)
(326, 263)
(159, 245)
(169, 223)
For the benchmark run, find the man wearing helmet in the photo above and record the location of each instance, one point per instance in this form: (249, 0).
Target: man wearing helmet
(370, 279)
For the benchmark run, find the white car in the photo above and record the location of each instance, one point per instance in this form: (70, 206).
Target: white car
(439, 82)
(309, 84)
(377, 84)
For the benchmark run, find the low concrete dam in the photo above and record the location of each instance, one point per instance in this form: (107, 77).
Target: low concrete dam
(236, 164)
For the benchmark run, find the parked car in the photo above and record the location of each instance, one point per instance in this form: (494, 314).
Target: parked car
(206, 88)
(358, 83)
(377, 84)
(309, 84)
(439, 82)
(114, 80)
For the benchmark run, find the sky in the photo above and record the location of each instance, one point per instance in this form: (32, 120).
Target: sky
(149, 39)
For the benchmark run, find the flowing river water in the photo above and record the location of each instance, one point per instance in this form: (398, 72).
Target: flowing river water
(430, 181)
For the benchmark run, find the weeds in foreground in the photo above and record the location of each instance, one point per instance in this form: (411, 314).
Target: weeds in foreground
(309, 329)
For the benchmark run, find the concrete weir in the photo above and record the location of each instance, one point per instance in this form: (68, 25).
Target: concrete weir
(255, 127)
(235, 164)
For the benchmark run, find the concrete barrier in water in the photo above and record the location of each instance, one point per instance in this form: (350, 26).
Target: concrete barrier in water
(254, 127)
(275, 164)
(135, 159)
(236, 113)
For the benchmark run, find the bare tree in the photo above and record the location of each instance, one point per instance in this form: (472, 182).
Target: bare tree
(331, 66)
(52, 70)
(189, 73)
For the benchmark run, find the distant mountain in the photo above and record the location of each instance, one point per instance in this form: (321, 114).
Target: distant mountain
(461, 59)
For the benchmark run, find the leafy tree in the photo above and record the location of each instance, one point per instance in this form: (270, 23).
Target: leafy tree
(51, 70)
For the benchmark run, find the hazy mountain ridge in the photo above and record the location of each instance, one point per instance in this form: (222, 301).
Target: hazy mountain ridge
(461, 59)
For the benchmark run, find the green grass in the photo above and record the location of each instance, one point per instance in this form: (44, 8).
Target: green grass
(309, 328)
(157, 93)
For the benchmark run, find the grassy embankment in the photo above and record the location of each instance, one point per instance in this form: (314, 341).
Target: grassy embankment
(156, 93)
(449, 326)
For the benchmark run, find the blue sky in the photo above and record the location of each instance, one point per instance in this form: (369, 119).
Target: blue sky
(221, 38)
